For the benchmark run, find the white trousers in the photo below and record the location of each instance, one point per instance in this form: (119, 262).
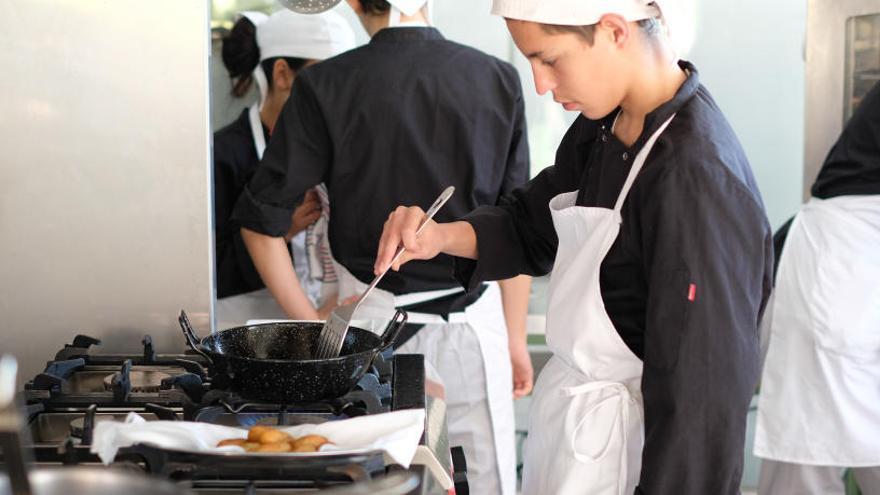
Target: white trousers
(783, 478)
(454, 351)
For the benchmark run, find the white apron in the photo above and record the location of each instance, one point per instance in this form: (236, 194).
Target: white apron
(819, 402)
(586, 427)
(260, 305)
(482, 323)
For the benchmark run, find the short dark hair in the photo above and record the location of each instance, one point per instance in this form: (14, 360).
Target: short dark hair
(649, 26)
(375, 6)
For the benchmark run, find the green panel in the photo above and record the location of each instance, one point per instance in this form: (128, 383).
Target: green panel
(536, 339)
(852, 488)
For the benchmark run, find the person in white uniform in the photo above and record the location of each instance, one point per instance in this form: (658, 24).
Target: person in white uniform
(819, 405)
(401, 119)
(270, 50)
(653, 231)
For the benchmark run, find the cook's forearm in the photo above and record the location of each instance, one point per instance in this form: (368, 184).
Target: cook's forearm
(459, 239)
(271, 258)
(515, 300)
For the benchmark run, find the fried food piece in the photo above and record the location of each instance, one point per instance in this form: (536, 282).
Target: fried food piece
(232, 441)
(304, 448)
(250, 446)
(267, 439)
(271, 435)
(256, 432)
(273, 447)
(310, 440)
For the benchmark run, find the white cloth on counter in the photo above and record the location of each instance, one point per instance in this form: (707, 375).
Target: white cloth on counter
(395, 433)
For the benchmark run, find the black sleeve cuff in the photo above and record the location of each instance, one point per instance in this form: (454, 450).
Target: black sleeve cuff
(464, 269)
(267, 219)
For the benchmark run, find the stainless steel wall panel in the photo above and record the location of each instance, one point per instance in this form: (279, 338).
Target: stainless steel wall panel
(105, 184)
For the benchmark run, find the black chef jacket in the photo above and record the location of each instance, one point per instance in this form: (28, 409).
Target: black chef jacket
(393, 122)
(693, 216)
(852, 167)
(235, 161)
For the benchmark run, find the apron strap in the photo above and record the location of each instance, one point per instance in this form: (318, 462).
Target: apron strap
(257, 130)
(638, 162)
(621, 422)
(395, 14)
(421, 297)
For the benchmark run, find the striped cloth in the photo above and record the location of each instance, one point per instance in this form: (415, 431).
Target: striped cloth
(320, 259)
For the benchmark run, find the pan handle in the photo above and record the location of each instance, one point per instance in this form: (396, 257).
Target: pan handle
(191, 338)
(393, 329)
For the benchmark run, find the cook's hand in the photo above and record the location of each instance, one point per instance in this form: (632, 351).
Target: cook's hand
(521, 363)
(400, 228)
(332, 303)
(305, 214)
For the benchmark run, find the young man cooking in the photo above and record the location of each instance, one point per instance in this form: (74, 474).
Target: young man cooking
(654, 233)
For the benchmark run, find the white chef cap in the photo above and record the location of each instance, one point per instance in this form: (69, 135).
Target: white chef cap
(573, 12)
(677, 14)
(307, 36)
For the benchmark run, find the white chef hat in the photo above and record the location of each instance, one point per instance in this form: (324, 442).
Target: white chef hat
(574, 12)
(677, 14)
(307, 36)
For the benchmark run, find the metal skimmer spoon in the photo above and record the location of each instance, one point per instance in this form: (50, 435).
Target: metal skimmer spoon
(333, 332)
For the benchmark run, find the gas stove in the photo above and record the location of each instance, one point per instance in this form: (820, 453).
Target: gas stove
(82, 386)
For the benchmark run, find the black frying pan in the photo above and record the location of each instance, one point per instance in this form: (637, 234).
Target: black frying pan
(273, 362)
